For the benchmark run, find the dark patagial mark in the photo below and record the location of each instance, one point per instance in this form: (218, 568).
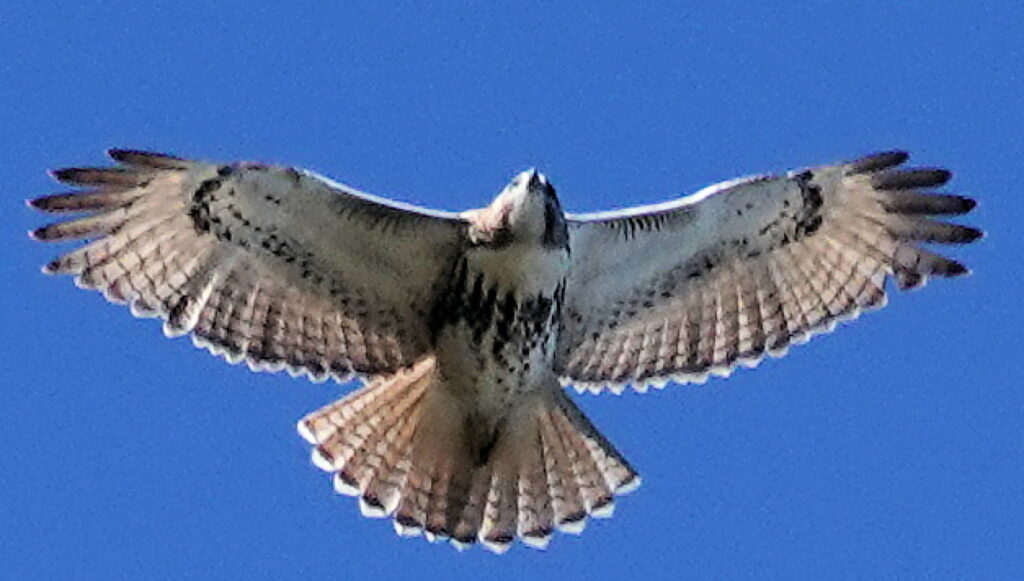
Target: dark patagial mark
(228, 224)
(809, 219)
(199, 209)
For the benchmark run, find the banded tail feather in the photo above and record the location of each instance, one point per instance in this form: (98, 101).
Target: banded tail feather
(400, 445)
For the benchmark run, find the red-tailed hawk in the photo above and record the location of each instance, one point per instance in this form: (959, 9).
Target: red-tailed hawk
(463, 326)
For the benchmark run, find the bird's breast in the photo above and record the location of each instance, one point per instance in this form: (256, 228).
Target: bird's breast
(495, 333)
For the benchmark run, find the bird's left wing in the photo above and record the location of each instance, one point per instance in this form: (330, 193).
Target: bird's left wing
(699, 285)
(272, 265)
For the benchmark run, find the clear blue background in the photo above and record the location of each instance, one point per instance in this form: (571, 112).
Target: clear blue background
(892, 448)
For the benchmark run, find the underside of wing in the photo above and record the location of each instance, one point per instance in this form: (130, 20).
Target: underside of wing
(271, 265)
(698, 286)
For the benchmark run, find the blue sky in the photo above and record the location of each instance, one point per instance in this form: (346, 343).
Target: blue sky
(892, 448)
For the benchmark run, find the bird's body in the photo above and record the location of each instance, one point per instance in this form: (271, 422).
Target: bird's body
(464, 326)
(496, 324)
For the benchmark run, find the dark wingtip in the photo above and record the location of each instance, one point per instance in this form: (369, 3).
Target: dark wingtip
(119, 153)
(65, 175)
(970, 234)
(911, 178)
(148, 159)
(56, 203)
(878, 161)
(125, 155)
(956, 269)
(44, 233)
(910, 202)
(52, 267)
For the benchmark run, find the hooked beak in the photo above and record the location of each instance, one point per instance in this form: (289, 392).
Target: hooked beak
(536, 181)
(533, 179)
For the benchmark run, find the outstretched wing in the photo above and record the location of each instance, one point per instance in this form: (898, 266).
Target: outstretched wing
(273, 265)
(748, 267)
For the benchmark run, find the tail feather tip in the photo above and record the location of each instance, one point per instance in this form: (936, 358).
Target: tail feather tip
(307, 434)
(573, 524)
(322, 460)
(603, 508)
(629, 485)
(344, 485)
(539, 539)
(498, 544)
(405, 529)
(372, 507)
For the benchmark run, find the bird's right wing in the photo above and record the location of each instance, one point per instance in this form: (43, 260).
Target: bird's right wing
(744, 268)
(273, 265)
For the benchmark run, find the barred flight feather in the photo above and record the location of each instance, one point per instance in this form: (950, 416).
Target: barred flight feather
(251, 260)
(817, 245)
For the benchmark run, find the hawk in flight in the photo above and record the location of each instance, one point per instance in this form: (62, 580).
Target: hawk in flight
(465, 326)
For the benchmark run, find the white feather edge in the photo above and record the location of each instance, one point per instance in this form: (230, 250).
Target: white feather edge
(305, 432)
(495, 547)
(232, 358)
(539, 542)
(659, 382)
(575, 527)
(629, 485)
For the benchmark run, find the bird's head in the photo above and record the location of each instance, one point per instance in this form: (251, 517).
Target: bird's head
(526, 210)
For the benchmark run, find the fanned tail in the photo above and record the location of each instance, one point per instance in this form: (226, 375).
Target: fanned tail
(400, 445)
